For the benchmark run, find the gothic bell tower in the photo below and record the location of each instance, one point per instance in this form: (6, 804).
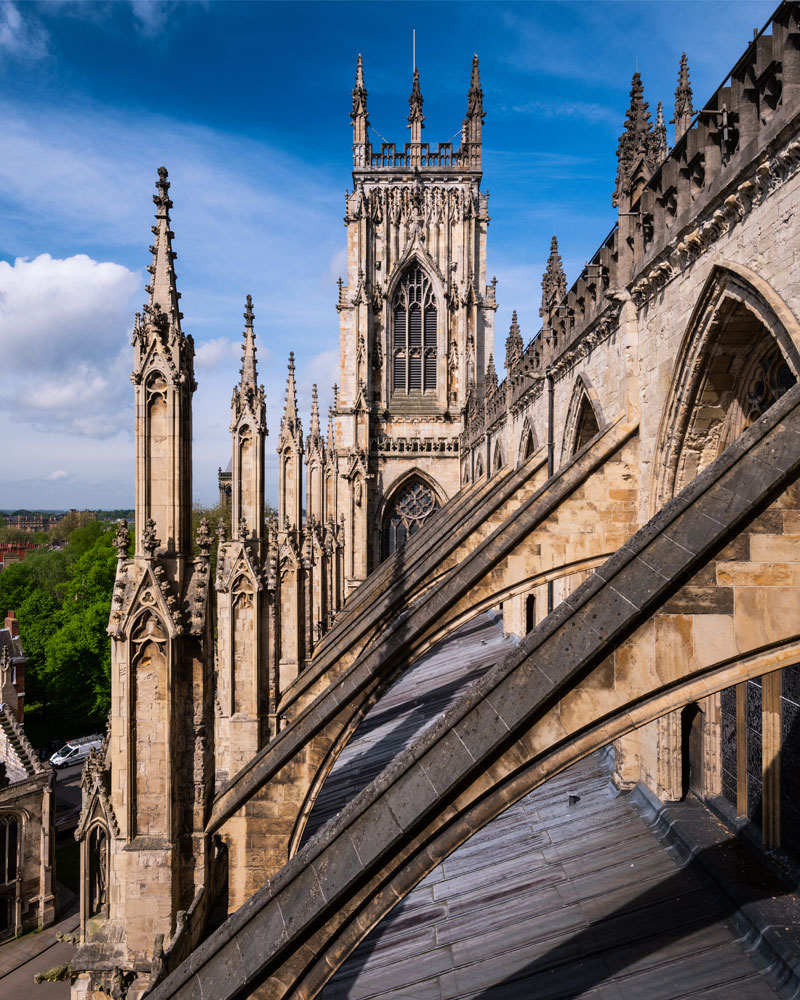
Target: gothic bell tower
(415, 315)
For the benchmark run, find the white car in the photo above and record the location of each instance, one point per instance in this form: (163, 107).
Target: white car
(76, 751)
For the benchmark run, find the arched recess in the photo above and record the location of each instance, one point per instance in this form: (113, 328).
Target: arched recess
(584, 418)
(478, 466)
(527, 442)
(412, 500)
(497, 458)
(740, 352)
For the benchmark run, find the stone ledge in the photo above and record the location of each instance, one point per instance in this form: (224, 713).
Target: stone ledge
(765, 909)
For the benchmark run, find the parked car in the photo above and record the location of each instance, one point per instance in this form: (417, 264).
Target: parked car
(76, 751)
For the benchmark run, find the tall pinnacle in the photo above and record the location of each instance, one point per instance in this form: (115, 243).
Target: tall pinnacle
(475, 94)
(331, 442)
(684, 112)
(514, 344)
(415, 115)
(639, 144)
(554, 281)
(290, 421)
(162, 288)
(359, 119)
(248, 371)
(660, 147)
(315, 428)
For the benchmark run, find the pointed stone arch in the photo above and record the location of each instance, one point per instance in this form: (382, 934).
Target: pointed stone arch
(408, 505)
(497, 457)
(584, 418)
(739, 353)
(527, 442)
(478, 467)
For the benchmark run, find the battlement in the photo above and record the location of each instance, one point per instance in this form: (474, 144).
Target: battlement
(732, 153)
(416, 153)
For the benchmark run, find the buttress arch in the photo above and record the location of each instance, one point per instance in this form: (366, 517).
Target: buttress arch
(740, 352)
(584, 418)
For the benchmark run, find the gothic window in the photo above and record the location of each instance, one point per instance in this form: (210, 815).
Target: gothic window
(414, 334)
(9, 848)
(406, 512)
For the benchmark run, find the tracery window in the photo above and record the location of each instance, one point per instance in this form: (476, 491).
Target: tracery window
(408, 510)
(98, 870)
(9, 848)
(414, 334)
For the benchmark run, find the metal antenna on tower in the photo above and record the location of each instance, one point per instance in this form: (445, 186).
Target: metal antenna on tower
(413, 49)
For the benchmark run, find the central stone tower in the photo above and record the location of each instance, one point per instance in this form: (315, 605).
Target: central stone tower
(415, 316)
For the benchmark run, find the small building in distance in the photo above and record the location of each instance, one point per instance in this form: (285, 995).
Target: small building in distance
(27, 817)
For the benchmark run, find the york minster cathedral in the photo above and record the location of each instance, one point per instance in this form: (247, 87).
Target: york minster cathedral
(618, 497)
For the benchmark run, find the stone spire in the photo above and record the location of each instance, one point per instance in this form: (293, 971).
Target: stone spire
(163, 378)
(639, 147)
(554, 282)
(331, 441)
(290, 421)
(660, 148)
(684, 112)
(248, 370)
(491, 376)
(473, 123)
(162, 288)
(314, 428)
(248, 430)
(514, 343)
(360, 119)
(415, 115)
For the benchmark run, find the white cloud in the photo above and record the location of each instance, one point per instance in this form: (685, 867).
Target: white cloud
(56, 475)
(21, 37)
(65, 329)
(210, 354)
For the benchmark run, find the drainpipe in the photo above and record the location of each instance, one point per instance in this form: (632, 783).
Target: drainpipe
(550, 460)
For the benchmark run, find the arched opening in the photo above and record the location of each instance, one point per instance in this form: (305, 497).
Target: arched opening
(406, 510)
(587, 425)
(530, 613)
(692, 750)
(584, 419)
(738, 356)
(498, 462)
(526, 445)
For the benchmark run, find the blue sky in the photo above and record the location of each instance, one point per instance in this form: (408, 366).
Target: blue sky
(247, 104)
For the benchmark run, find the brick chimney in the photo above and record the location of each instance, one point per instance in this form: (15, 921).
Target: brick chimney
(12, 624)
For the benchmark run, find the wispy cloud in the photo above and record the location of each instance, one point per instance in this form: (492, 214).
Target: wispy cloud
(21, 37)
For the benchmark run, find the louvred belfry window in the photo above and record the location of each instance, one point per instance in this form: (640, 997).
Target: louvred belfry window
(414, 334)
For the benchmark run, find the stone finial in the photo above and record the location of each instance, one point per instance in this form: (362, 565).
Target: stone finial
(122, 539)
(248, 370)
(639, 146)
(290, 422)
(222, 534)
(314, 428)
(243, 528)
(514, 343)
(162, 288)
(331, 442)
(660, 134)
(475, 94)
(360, 119)
(204, 537)
(491, 376)
(415, 116)
(150, 540)
(684, 112)
(554, 281)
